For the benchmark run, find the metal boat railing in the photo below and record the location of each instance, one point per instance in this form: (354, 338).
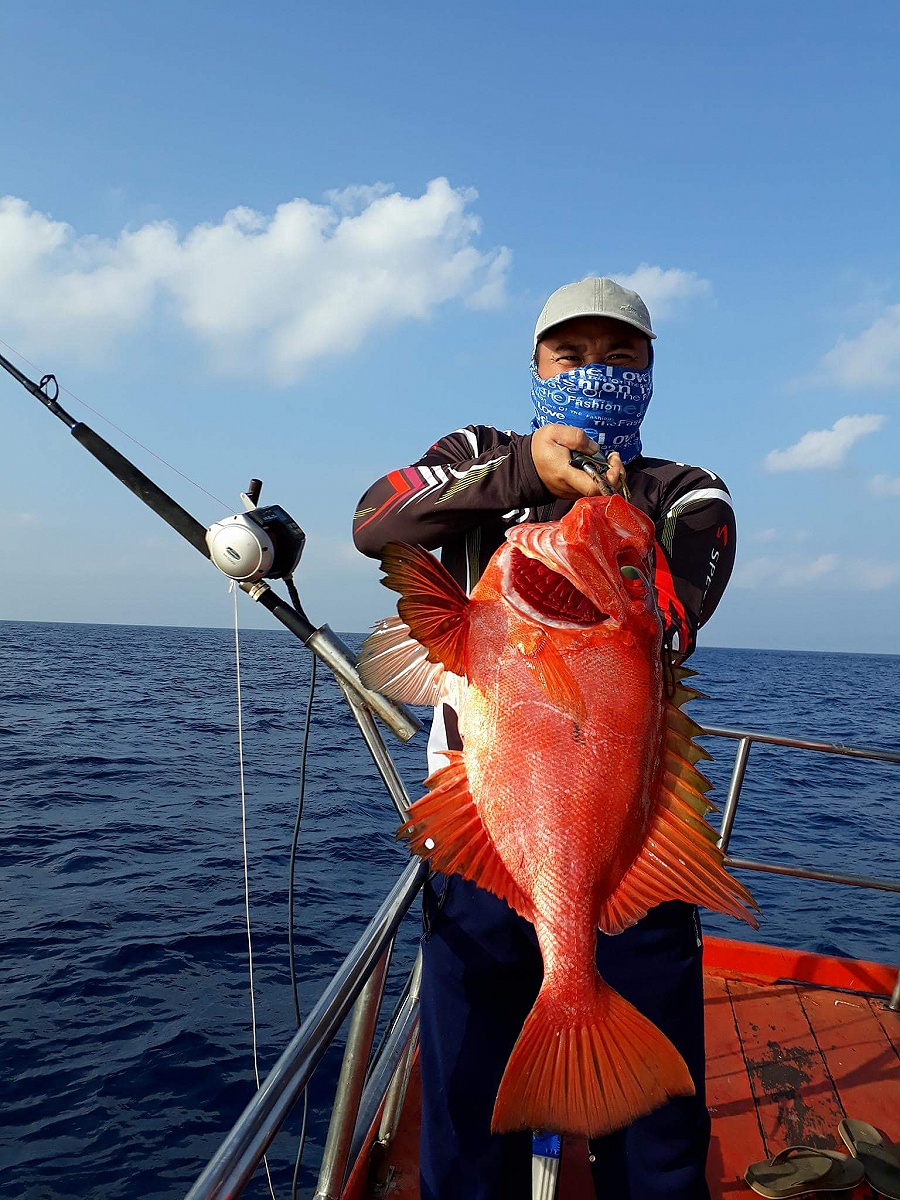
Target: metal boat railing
(237, 1158)
(745, 739)
(363, 1088)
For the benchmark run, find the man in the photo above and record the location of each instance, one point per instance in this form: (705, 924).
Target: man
(591, 384)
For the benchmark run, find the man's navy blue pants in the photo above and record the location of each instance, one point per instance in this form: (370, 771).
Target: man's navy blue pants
(481, 973)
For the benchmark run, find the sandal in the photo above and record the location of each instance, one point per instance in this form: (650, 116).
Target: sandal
(802, 1169)
(880, 1162)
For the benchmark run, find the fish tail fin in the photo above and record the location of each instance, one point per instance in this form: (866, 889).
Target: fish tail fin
(587, 1073)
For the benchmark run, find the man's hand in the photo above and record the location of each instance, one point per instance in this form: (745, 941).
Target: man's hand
(550, 446)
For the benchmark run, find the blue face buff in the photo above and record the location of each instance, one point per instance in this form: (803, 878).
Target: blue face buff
(608, 403)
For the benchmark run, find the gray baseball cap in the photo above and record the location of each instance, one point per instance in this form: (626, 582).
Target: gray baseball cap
(594, 298)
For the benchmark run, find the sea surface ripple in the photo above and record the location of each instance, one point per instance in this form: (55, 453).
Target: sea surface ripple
(125, 1034)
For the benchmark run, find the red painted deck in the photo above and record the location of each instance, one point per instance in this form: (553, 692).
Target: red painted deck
(795, 1042)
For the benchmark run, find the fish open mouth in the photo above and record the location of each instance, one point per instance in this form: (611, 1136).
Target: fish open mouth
(543, 593)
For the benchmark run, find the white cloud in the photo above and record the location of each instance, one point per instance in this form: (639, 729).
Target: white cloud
(885, 485)
(260, 292)
(821, 449)
(81, 292)
(827, 571)
(664, 291)
(763, 535)
(783, 572)
(871, 359)
(24, 520)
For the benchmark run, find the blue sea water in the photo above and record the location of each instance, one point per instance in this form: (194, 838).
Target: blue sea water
(124, 1010)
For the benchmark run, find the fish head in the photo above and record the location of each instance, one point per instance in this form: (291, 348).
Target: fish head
(592, 568)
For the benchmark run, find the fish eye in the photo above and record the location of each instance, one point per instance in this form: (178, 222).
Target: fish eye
(631, 572)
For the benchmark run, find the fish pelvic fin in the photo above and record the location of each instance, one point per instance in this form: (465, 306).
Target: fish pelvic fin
(587, 1073)
(433, 606)
(446, 828)
(680, 858)
(555, 678)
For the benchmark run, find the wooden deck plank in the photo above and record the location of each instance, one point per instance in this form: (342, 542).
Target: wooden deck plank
(889, 1022)
(736, 1135)
(860, 1058)
(796, 1100)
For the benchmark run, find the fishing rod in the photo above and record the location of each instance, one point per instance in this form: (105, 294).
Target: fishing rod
(248, 547)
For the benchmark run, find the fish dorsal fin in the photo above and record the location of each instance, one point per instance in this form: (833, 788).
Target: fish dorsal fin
(679, 673)
(446, 828)
(432, 604)
(680, 858)
(391, 661)
(684, 770)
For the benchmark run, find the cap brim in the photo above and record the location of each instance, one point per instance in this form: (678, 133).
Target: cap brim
(648, 333)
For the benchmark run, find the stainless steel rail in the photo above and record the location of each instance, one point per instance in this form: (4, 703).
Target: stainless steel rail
(385, 1083)
(348, 1094)
(234, 1162)
(775, 739)
(396, 1093)
(378, 750)
(863, 881)
(745, 739)
(332, 651)
(349, 1088)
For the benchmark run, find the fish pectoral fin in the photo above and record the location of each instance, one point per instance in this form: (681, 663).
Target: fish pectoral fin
(432, 604)
(680, 858)
(391, 661)
(554, 676)
(446, 828)
(587, 1072)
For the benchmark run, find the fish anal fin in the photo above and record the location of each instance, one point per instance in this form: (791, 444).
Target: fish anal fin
(391, 661)
(446, 828)
(587, 1073)
(432, 604)
(679, 860)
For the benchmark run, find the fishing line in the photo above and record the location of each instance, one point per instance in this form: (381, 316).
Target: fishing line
(118, 428)
(293, 862)
(240, 725)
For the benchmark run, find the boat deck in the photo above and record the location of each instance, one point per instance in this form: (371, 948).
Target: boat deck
(787, 1060)
(795, 1042)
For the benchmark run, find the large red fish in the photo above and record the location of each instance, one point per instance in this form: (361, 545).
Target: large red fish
(575, 798)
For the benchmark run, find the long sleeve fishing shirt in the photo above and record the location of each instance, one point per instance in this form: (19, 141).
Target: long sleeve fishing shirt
(472, 485)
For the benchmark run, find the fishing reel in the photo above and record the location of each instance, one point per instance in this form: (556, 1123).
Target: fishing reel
(260, 543)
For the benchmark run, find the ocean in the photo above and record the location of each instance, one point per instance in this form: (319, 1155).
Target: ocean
(124, 1012)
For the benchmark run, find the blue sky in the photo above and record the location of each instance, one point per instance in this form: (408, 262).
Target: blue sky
(301, 242)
